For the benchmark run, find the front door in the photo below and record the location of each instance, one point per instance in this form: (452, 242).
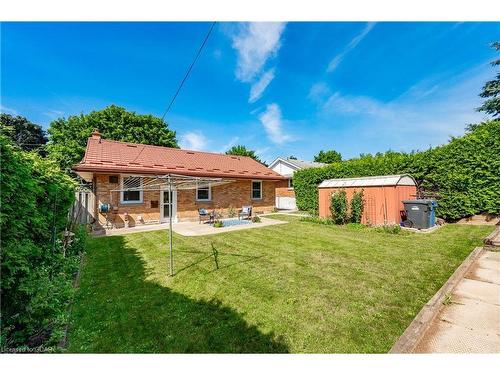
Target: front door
(168, 205)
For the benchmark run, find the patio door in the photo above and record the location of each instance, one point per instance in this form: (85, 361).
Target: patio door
(168, 205)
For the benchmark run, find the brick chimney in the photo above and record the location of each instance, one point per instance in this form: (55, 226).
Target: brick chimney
(96, 134)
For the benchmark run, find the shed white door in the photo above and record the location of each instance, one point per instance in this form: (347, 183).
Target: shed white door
(286, 203)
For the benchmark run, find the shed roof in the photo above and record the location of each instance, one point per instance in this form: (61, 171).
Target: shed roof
(392, 180)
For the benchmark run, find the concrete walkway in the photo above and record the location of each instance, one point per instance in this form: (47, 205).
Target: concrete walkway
(189, 228)
(469, 322)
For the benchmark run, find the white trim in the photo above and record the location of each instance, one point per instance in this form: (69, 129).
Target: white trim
(292, 166)
(209, 194)
(290, 186)
(174, 206)
(251, 190)
(141, 192)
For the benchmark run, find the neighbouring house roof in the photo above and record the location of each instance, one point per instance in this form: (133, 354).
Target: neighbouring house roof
(108, 156)
(392, 180)
(297, 164)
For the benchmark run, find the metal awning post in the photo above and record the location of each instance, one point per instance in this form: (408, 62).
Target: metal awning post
(170, 222)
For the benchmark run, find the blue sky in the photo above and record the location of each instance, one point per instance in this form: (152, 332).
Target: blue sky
(279, 88)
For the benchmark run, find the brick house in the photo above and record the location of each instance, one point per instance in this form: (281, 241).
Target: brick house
(110, 165)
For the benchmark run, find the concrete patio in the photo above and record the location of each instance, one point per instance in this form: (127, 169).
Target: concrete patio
(189, 229)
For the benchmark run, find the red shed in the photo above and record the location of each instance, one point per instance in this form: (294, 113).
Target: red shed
(382, 196)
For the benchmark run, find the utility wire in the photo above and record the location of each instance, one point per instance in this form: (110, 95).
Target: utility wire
(190, 68)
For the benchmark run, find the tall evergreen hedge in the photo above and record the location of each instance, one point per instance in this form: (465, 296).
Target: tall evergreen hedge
(464, 174)
(36, 277)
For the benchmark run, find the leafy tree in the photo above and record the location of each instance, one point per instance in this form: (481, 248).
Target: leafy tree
(22, 132)
(328, 157)
(491, 90)
(291, 157)
(68, 137)
(241, 150)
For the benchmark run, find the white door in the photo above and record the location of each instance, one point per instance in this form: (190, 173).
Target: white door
(168, 206)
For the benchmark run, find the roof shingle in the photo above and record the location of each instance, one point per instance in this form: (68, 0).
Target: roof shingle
(104, 155)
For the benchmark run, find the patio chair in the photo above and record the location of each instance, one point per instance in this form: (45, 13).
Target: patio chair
(245, 213)
(203, 214)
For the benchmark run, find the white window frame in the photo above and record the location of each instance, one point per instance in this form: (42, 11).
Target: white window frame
(290, 185)
(251, 190)
(141, 191)
(209, 193)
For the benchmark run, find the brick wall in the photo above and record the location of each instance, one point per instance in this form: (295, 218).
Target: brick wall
(282, 190)
(235, 194)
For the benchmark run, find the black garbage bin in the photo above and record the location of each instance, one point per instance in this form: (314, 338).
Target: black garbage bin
(421, 213)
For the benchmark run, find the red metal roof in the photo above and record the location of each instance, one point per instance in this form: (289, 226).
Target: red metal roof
(108, 156)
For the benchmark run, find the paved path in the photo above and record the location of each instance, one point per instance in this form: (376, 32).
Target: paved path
(470, 322)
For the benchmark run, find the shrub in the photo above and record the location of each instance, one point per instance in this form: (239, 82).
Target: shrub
(36, 272)
(218, 224)
(462, 174)
(338, 207)
(357, 206)
(256, 219)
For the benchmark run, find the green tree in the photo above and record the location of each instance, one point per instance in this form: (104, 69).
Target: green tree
(22, 132)
(241, 150)
(491, 90)
(328, 157)
(68, 137)
(291, 157)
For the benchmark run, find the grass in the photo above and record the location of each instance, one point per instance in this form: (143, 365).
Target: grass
(297, 287)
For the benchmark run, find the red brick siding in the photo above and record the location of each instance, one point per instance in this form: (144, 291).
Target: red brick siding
(235, 194)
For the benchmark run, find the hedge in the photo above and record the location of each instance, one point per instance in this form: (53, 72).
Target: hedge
(463, 174)
(36, 276)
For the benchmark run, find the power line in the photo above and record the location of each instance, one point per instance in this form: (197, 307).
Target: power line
(189, 70)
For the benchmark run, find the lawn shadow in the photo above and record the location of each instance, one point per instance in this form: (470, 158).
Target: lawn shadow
(118, 311)
(209, 256)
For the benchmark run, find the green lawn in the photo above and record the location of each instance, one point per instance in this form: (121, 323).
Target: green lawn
(297, 287)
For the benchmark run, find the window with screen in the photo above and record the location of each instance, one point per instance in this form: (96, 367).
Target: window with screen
(203, 193)
(130, 195)
(256, 189)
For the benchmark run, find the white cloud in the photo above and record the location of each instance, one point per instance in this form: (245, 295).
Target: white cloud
(334, 63)
(8, 110)
(193, 141)
(429, 112)
(256, 42)
(272, 120)
(319, 91)
(53, 113)
(260, 86)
